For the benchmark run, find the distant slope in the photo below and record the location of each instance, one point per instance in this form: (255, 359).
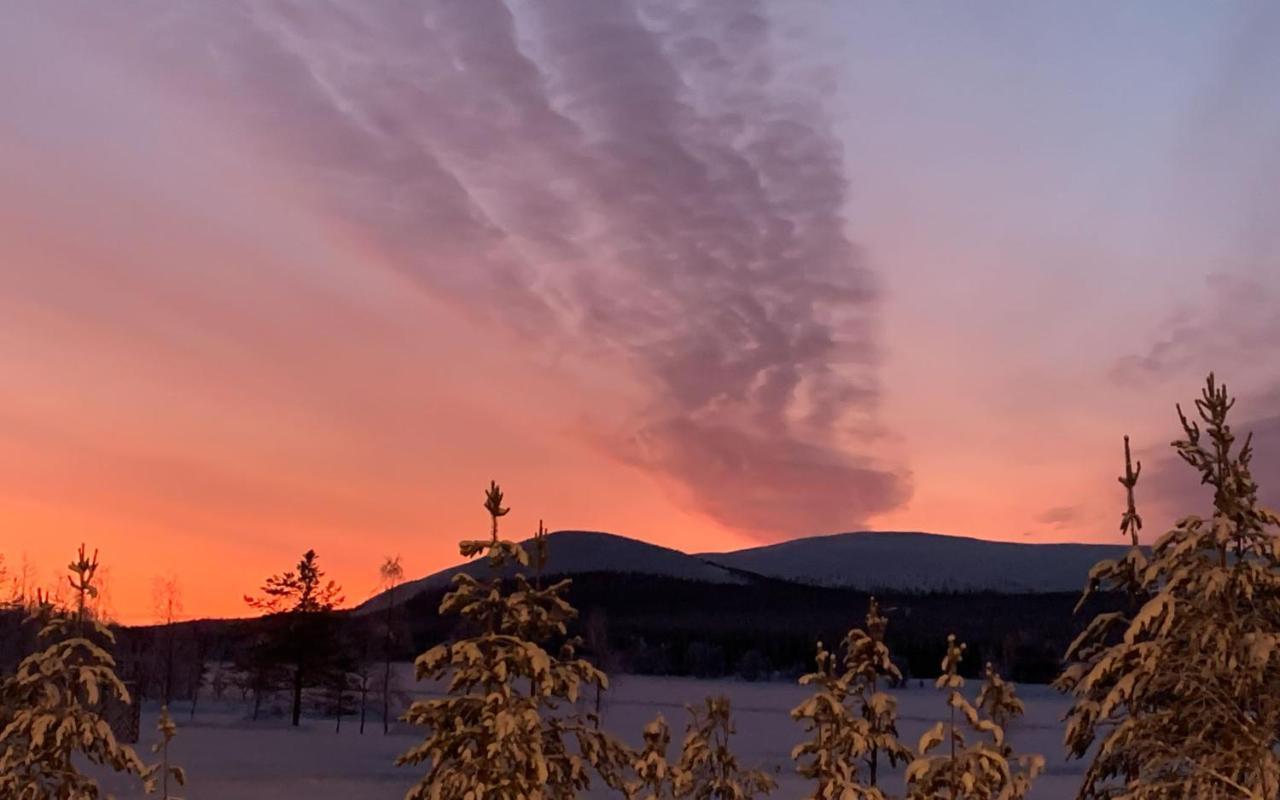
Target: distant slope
(578, 552)
(922, 562)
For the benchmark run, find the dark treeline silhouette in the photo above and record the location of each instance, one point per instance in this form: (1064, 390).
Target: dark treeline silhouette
(765, 628)
(642, 624)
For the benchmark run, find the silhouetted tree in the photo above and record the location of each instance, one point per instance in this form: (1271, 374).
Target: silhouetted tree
(300, 607)
(391, 573)
(166, 600)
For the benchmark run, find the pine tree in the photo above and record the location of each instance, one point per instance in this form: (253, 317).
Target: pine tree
(708, 769)
(54, 703)
(980, 766)
(1181, 697)
(158, 775)
(851, 720)
(302, 628)
(503, 730)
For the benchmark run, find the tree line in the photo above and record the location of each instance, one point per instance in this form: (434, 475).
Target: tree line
(1175, 685)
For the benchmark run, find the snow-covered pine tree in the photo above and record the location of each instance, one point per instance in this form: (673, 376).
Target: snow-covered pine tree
(157, 776)
(977, 767)
(504, 730)
(54, 703)
(708, 769)
(1185, 700)
(852, 721)
(998, 699)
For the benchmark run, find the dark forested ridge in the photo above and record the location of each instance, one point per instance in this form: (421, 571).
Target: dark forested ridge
(761, 629)
(657, 625)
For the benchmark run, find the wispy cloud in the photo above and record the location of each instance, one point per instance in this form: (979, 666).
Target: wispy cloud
(1234, 327)
(645, 184)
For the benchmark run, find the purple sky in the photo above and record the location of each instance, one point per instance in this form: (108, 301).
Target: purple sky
(279, 275)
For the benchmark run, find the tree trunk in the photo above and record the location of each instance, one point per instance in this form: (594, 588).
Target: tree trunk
(338, 711)
(297, 695)
(168, 664)
(364, 696)
(386, 695)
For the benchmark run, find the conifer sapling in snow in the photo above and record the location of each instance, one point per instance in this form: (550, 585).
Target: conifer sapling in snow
(980, 766)
(708, 769)
(1182, 697)
(54, 703)
(503, 730)
(157, 776)
(853, 722)
(656, 778)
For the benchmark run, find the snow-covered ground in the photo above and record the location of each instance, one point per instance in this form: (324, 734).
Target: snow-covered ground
(228, 757)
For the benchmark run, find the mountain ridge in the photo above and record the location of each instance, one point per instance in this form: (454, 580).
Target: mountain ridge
(866, 560)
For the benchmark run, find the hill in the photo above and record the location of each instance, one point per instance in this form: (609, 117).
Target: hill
(581, 552)
(922, 562)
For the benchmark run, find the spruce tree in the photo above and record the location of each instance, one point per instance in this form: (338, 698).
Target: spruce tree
(53, 703)
(504, 730)
(1181, 696)
(852, 721)
(977, 766)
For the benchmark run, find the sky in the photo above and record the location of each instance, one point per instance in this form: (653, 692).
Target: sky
(290, 275)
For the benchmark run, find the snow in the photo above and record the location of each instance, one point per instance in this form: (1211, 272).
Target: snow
(576, 552)
(879, 560)
(228, 757)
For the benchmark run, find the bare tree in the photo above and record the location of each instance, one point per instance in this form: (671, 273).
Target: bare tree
(166, 603)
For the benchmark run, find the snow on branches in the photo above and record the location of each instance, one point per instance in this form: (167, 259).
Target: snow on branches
(1180, 697)
(851, 720)
(157, 776)
(503, 731)
(709, 768)
(53, 703)
(981, 767)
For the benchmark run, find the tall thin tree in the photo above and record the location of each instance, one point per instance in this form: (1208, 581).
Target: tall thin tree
(391, 573)
(166, 601)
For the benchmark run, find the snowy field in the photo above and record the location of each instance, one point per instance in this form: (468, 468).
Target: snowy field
(229, 757)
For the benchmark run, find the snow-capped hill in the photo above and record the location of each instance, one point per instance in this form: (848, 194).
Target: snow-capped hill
(577, 552)
(922, 562)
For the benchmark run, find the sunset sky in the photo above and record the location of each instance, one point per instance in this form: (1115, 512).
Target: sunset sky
(708, 274)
